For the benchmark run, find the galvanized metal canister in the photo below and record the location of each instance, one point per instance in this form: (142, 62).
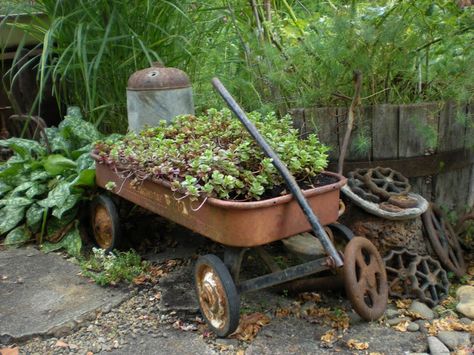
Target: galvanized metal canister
(157, 93)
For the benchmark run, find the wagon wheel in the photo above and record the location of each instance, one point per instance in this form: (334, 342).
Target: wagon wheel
(444, 240)
(397, 264)
(429, 280)
(218, 298)
(105, 223)
(356, 183)
(386, 182)
(365, 278)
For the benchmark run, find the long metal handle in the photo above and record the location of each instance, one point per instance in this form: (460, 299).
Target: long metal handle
(285, 173)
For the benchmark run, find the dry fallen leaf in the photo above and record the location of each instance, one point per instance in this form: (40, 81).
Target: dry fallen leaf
(354, 344)
(413, 315)
(282, 312)
(250, 325)
(310, 296)
(376, 353)
(402, 326)
(240, 352)
(448, 324)
(403, 304)
(329, 337)
(61, 344)
(9, 351)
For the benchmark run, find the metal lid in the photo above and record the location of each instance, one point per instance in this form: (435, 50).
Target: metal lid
(158, 78)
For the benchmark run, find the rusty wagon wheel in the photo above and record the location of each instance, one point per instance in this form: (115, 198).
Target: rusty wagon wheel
(429, 281)
(386, 182)
(365, 278)
(105, 223)
(397, 265)
(218, 298)
(444, 240)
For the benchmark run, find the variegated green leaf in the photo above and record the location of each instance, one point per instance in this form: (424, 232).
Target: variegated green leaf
(17, 237)
(4, 188)
(71, 242)
(56, 197)
(71, 201)
(36, 190)
(39, 175)
(15, 201)
(10, 216)
(21, 188)
(24, 147)
(34, 216)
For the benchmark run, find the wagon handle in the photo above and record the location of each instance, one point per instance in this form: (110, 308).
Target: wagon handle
(283, 170)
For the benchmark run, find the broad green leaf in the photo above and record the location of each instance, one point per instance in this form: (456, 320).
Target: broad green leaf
(17, 237)
(36, 190)
(57, 143)
(23, 147)
(74, 111)
(4, 188)
(56, 224)
(71, 242)
(39, 175)
(56, 197)
(34, 216)
(57, 164)
(10, 216)
(15, 201)
(22, 187)
(70, 203)
(85, 178)
(78, 131)
(85, 150)
(85, 161)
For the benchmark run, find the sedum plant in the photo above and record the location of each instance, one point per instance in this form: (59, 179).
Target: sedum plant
(213, 156)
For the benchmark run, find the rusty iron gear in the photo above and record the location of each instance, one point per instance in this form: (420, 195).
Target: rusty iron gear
(444, 240)
(217, 294)
(386, 206)
(365, 278)
(397, 264)
(386, 182)
(463, 228)
(429, 281)
(356, 183)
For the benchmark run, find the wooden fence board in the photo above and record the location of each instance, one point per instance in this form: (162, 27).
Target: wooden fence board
(362, 130)
(385, 132)
(323, 121)
(451, 135)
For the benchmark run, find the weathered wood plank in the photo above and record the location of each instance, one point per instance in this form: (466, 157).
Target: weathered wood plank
(418, 130)
(298, 117)
(385, 132)
(360, 142)
(323, 121)
(452, 187)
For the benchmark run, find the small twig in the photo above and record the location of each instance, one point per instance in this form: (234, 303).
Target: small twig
(350, 119)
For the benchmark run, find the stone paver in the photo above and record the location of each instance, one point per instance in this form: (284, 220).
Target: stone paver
(43, 294)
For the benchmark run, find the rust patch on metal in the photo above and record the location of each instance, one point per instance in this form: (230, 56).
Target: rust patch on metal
(239, 224)
(103, 229)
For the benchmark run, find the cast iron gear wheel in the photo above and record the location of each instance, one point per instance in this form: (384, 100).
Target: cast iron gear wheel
(356, 182)
(386, 182)
(397, 264)
(429, 281)
(444, 240)
(365, 278)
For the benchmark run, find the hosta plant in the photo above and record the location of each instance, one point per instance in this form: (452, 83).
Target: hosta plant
(40, 190)
(213, 156)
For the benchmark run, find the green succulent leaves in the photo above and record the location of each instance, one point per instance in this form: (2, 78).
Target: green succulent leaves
(213, 156)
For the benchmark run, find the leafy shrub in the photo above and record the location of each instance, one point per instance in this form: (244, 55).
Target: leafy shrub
(40, 191)
(212, 155)
(112, 268)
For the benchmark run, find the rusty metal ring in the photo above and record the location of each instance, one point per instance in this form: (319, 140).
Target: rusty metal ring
(397, 264)
(365, 278)
(342, 208)
(386, 206)
(444, 240)
(386, 182)
(429, 281)
(218, 298)
(461, 226)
